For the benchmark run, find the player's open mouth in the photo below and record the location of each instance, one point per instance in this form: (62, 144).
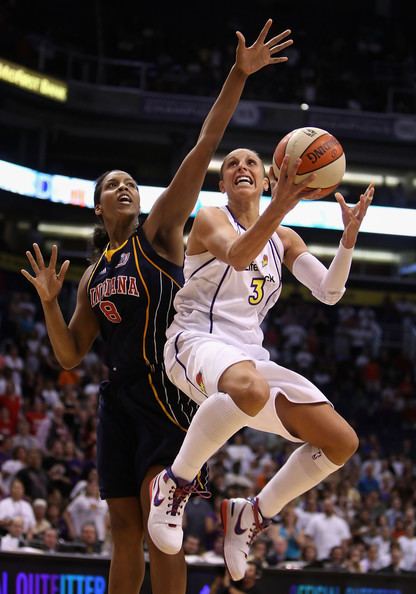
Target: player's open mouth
(243, 180)
(125, 199)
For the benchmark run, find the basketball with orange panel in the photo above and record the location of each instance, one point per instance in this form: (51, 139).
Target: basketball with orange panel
(321, 153)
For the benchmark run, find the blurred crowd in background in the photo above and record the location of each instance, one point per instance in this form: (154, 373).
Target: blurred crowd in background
(360, 519)
(362, 58)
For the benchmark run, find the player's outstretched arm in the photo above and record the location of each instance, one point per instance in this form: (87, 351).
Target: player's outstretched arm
(328, 285)
(176, 203)
(69, 342)
(352, 217)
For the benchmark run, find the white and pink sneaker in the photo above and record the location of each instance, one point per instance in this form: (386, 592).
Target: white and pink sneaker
(168, 497)
(242, 522)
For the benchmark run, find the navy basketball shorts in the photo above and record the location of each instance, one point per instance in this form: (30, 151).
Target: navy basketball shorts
(142, 422)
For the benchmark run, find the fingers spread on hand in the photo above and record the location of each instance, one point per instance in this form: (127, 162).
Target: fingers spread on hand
(263, 32)
(62, 272)
(39, 257)
(278, 48)
(54, 256)
(278, 60)
(33, 262)
(278, 38)
(28, 276)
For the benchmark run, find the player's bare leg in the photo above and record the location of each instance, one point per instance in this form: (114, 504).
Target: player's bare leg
(319, 425)
(127, 562)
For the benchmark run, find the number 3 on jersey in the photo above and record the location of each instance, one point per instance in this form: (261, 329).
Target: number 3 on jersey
(110, 311)
(258, 293)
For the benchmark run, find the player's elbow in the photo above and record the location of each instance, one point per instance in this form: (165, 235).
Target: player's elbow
(208, 141)
(238, 263)
(329, 297)
(67, 365)
(237, 259)
(68, 361)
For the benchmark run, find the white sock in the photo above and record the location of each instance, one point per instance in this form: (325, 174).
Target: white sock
(304, 469)
(216, 420)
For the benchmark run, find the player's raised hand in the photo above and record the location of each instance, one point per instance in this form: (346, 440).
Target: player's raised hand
(46, 281)
(262, 52)
(352, 216)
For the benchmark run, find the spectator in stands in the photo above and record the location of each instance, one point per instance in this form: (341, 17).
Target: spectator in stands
(407, 544)
(291, 533)
(89, 539)
(35, 414)
(87, 508)
(396, 564)
(50, 542)
(41, 523)
(201, 521)
(49, 393)
(10, 468)
(16, 506)
(372, 561)
(327, 530)
(14, 539)
(353, 562)
(368, 482)
(34, 478)
(23, 437)
(192, 547)
(277, 552)
(11, 401)
(224, 584)
(309, 558)
(336, 559)
(55, 517)
(259, 552)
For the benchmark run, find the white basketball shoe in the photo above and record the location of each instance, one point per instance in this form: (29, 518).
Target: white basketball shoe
(242, 522)
(168, 497)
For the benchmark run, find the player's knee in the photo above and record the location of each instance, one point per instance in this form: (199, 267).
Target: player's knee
(124, 531)
(348, 443)
(251, 394)
(127, 536)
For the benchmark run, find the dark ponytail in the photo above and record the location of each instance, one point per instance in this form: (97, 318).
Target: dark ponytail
(100, 236)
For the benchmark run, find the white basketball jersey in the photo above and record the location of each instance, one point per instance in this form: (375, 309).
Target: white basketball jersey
(218, 300)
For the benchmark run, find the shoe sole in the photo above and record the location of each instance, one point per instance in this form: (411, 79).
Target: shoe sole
(224, 521)
(151, 490)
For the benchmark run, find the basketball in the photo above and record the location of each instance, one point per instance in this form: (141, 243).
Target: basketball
(321, 153)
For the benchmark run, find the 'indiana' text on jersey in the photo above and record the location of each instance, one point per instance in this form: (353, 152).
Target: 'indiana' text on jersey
(131, 290)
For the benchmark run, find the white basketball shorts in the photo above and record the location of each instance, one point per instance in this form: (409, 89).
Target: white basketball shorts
(195, 364)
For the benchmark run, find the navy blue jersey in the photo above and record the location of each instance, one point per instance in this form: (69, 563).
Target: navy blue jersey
(131, 290)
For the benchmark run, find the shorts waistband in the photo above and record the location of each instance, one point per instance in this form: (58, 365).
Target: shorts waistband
(140, 368)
